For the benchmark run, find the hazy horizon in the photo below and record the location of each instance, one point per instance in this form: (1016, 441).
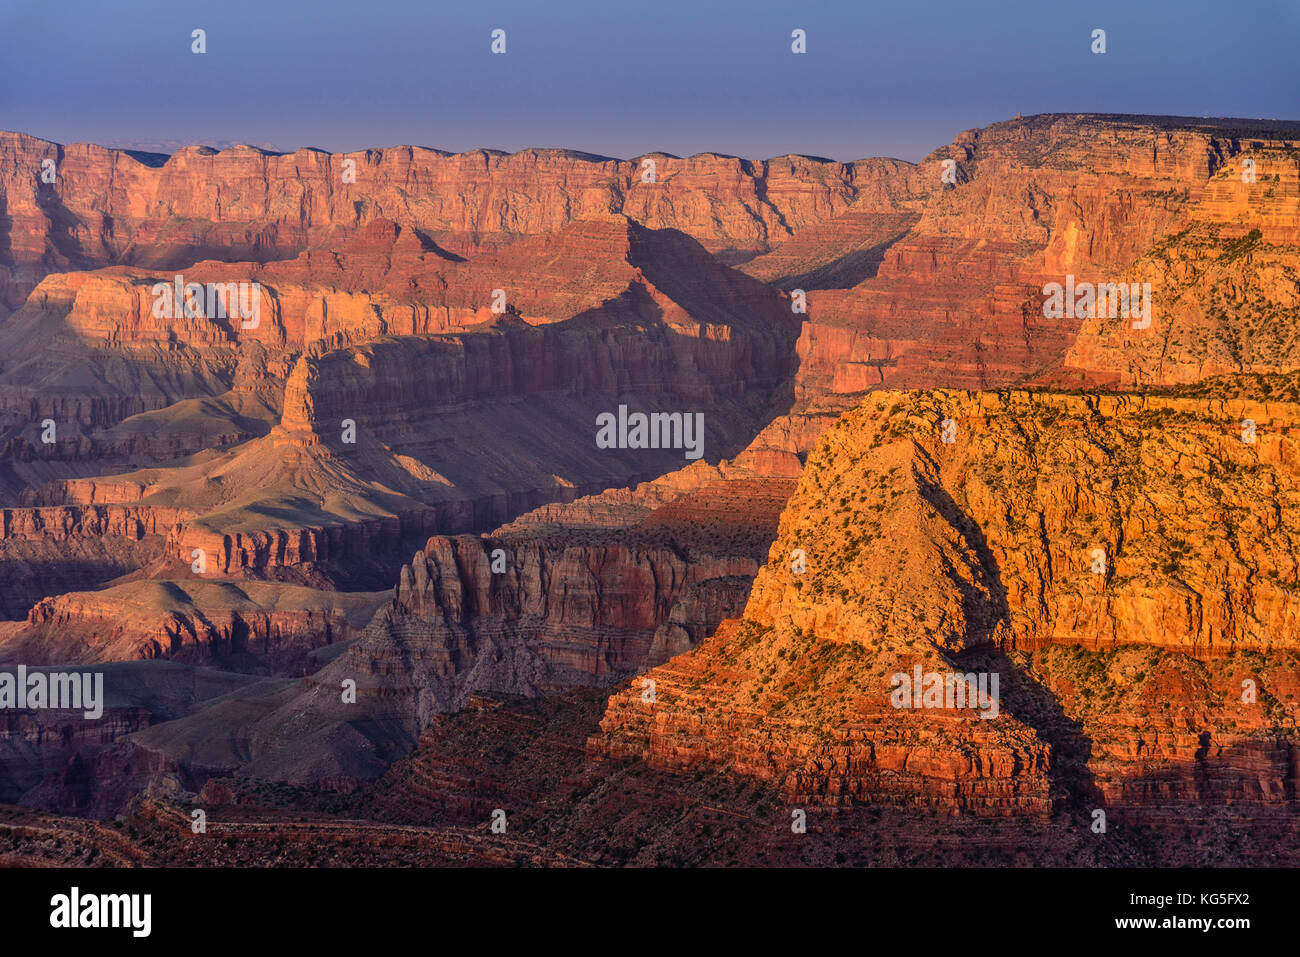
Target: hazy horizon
(166, 149)
(625, 81)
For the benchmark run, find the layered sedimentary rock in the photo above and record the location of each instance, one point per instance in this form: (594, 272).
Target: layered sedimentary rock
(580, 593)
(1225, 286)
(583, 594)
(520, 756)
(111, 206)
(419, 413)
(381, 431)
(1169, 738)
(968, 532)
(1182, 506)
(1026, 200)
(433, 344)
(46, 550)
(839, 253)
(958, 301)
(124, 350)
(560, 613)
(253, 626)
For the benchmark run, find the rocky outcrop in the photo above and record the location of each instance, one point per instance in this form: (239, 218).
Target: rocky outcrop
(567, 598)
(1056, 484)
(419, 410)
(580, 593)
(256, 627)
(1047, 520)
(557, 615)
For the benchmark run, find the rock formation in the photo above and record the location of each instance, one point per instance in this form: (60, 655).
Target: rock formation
(1143, 533)
(379, 498)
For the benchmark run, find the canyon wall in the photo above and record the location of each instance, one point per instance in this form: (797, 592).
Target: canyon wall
(958, 300)
(117, 207)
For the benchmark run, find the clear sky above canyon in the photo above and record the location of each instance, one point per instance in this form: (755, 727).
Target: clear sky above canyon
(620, 79)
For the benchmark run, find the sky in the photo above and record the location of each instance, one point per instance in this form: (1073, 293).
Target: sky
(626, 77)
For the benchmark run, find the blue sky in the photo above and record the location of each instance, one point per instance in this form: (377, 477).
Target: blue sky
(622, 78)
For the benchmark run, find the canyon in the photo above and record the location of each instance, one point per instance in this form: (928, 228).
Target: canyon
(390, 579)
